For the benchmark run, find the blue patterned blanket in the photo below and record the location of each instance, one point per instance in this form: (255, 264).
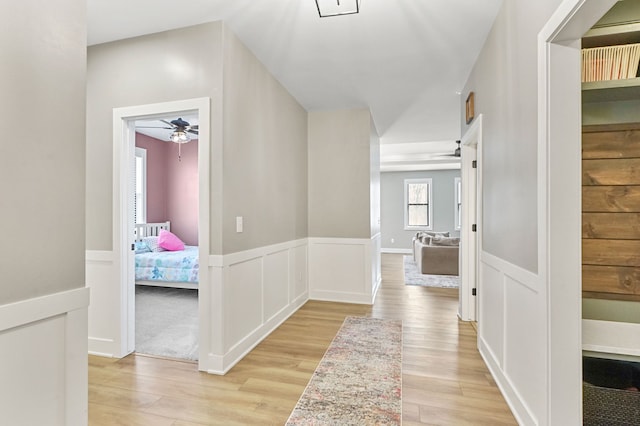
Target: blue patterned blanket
(171, 266)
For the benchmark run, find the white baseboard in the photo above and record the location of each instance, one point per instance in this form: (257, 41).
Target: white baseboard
(396, 250)
(520, 410)
(43, 347)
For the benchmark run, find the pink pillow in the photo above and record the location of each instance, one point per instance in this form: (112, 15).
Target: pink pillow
(169, 241)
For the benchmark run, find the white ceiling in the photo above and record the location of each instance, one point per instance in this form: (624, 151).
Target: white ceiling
(406, 60)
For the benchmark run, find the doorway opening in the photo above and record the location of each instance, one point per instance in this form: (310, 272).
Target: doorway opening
(471, 222)
(166, 236)
(161, 208)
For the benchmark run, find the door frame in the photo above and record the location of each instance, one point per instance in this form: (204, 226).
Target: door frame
(123, 150)
(470, 242)
(559, 200)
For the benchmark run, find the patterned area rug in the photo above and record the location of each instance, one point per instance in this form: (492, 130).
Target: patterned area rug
(359, 379)
(413, 277)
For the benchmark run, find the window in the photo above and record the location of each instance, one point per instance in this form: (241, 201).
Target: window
(140, 201)
(457, 185)
(417, 204)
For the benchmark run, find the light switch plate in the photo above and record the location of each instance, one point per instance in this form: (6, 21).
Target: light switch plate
(239, 224)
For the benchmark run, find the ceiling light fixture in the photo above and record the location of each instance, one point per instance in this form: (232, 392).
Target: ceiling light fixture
(327, 8)
(179, 136)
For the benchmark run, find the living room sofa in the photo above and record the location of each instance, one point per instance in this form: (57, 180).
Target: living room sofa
(436, 253)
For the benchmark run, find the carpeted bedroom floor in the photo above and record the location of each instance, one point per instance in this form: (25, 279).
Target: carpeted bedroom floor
(167, 322)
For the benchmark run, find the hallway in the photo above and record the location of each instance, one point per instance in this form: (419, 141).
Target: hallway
(445, 381)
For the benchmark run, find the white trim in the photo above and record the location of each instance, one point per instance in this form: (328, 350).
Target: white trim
(523, 276)
(28, 311)
(28, 323)
(123, 133)
(610, 337)
(142, 153)
(471, 242)
(457, 200)
(559, 243)
(429, 183)
(254, 253)
(396, 250)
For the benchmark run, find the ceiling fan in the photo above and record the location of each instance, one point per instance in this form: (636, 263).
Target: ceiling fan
(180, 129)
(180, 133)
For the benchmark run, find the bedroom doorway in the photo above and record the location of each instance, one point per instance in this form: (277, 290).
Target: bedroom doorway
(161, 208)
(166, 235)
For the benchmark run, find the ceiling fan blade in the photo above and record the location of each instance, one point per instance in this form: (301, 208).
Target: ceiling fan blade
(195, 132)
(195, 127)
(153, 127)
(167, 122)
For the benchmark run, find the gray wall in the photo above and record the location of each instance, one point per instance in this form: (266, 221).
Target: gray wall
(258, 131)
(265, 154)
(162, 67)
(340, 146)
(505, 83)
(43, 52)
(392, 208)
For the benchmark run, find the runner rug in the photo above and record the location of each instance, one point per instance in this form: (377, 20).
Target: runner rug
(359, 379)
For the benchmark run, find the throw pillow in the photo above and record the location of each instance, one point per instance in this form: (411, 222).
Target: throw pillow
(152, 243)
(445, 241)
(169, 241)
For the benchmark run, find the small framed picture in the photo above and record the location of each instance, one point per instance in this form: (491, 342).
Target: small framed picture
(469, 108)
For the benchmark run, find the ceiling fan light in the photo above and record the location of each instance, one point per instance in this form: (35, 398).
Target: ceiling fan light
(179, 136)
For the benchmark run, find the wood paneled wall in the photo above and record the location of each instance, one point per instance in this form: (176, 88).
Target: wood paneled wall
(611, 211)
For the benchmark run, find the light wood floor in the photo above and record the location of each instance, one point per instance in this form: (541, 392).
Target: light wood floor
(445, 381)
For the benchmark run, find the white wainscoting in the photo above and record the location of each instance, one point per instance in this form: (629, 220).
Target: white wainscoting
(104, 309)
(511, 327)
(43, 348)
(344, 269)
(253, 292)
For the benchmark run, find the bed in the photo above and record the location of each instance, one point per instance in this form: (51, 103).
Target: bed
(177, 269)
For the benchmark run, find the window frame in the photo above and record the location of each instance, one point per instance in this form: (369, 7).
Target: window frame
(457, 203)
(429, 183)
(141, 153)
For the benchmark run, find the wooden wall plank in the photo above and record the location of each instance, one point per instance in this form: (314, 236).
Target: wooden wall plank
(611, 279)
(623, 144)
(611, 252)
(611, 199)
(611, 172)
(611, 296)
(619, 226)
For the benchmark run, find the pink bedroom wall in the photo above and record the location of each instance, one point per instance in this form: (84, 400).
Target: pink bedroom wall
(182, 191)
(156, 177)
(172, 186)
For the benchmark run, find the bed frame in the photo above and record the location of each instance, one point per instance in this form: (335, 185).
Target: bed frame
(153, 230)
